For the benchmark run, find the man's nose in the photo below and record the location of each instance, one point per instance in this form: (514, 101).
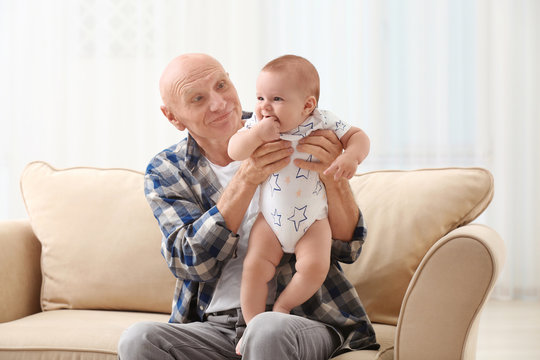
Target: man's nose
(217, 102)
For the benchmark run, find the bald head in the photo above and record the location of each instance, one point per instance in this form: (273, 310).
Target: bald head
(198, 96)
(182, 71)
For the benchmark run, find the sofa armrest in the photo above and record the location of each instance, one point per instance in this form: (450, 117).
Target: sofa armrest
(20, 271)
(441, 309)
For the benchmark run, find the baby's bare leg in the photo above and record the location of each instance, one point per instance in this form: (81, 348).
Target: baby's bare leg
(263, 255)
(312, 264)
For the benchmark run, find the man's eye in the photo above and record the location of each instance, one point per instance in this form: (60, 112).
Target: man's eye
(197, 98)
(221, 85)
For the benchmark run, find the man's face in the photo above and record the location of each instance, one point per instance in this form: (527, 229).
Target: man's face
(204, 101)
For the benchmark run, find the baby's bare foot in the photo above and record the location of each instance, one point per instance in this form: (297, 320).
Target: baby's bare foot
(238, 346)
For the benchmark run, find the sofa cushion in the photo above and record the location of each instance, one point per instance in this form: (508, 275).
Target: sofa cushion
(100, 241)
(406, 212)
(68, 334)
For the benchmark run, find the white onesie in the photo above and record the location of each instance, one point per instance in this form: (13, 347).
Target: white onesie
(293, 198)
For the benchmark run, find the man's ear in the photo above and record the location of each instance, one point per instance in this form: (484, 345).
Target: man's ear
(309, 105)
(172, 119)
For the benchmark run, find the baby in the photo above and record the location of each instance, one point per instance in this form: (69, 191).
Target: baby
(293, 207)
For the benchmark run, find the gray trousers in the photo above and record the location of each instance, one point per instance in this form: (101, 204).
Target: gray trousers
(269, 336)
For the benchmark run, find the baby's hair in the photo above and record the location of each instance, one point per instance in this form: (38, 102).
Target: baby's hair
(300, 67)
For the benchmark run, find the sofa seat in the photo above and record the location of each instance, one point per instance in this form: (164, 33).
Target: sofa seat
(94, 334)
(68, 334)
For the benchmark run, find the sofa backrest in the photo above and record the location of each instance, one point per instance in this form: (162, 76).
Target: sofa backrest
(101, 243)
(406, 212)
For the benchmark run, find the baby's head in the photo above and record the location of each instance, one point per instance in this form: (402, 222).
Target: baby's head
(287, 89)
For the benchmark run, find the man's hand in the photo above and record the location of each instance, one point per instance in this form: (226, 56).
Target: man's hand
(265, 160)
(326, 147)
(342, 209)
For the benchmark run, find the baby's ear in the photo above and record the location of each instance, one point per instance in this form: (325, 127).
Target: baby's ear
(309, 105)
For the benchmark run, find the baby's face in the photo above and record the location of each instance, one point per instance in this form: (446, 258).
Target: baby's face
(279, 96)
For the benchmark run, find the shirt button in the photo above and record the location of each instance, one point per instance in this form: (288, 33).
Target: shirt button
(201, 307)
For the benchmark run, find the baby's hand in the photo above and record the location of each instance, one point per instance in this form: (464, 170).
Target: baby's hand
(268, 129)
(343, 166)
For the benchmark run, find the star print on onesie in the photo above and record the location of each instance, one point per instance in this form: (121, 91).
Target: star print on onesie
(293, 198)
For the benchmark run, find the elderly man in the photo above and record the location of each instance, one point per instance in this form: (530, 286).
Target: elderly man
(205, 204)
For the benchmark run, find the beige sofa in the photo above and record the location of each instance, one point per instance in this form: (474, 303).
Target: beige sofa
(87, 263)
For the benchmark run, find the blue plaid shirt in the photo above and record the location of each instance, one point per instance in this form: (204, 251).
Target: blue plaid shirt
(182, 191)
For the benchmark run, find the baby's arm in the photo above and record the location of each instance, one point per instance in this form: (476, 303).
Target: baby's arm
(356, 145)
(243, 143)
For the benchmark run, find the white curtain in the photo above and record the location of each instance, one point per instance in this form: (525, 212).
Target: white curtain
(434, 83)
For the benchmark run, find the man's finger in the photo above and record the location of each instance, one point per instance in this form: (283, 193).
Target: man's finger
(272, 157)
(276, 166)
(271, 147)
(310, 165)
(317, 151)
(319, 135)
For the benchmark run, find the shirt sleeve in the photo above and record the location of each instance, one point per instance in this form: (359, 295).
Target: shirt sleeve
(195, 239)
(349, 251)
(332, 122)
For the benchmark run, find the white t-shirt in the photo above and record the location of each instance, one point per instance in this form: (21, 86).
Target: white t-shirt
(227, 293)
